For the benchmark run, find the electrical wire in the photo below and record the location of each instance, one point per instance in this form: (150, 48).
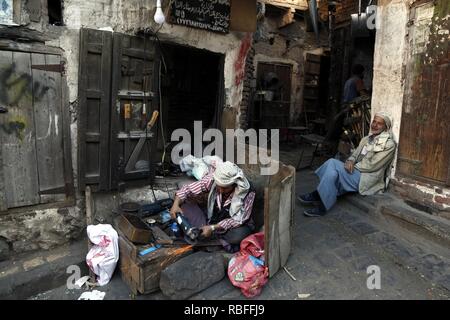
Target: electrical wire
(162, 130)
(162, 62)
(144, 84)
(161, 118)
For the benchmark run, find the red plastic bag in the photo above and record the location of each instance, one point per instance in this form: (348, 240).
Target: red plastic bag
(253, 245)
(245, 270)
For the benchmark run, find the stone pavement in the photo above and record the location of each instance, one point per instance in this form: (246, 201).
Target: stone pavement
(29, 274)
(329, 260)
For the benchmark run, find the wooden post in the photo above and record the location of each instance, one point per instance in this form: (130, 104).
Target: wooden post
(88, 197)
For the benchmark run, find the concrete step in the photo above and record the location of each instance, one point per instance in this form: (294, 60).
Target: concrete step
(390, 208)
(30, 274)
(430, 226)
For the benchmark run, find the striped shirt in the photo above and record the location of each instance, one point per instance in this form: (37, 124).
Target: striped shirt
(205, 185)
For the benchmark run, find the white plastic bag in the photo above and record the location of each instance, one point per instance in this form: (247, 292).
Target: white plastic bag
(199, 167)
(104, 254)
(94, 295)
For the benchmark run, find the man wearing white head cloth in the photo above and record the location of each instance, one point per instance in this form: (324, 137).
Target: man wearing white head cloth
(220, 204)
(366, 171)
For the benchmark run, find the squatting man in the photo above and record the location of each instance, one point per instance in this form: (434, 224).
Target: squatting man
(366, 171)
(220, 204)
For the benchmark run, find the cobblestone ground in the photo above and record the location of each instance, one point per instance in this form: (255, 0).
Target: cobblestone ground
(329, 260)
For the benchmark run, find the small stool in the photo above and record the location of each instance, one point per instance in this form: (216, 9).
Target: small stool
(314, 140)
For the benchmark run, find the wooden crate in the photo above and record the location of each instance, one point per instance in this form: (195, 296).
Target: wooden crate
(142, 274)
(134, 229)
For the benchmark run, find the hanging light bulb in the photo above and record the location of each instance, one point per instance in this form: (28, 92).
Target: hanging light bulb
(159, 15)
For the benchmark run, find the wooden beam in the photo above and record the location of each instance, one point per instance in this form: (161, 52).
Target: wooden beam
(16, 33)
(11, 45)
(287, 18)
(294, 4)
(243, 15)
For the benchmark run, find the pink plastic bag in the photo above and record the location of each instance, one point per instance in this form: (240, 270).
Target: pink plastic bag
(104, 254)
(245, 270)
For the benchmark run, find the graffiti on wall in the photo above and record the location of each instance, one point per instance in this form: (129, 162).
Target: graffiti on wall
(16, 126)
(15, 86)
(239, 65)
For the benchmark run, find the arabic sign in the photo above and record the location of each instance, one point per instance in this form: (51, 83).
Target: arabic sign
(212, 15)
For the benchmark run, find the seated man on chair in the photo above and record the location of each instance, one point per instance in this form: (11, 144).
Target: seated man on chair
(225, 211)
(366, 171)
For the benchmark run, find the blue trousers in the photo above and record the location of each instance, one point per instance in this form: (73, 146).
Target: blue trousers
(335, 181)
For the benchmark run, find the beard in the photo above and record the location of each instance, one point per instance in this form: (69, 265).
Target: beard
(376, 132)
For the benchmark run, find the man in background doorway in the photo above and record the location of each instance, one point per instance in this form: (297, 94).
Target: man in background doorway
(354, 87)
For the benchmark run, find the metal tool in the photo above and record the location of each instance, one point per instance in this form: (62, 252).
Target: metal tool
(155, 207)
(151, 249)
(130, 207)
(137, 150)
(191, 233)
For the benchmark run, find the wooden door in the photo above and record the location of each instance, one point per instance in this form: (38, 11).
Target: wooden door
(118, 91)
(135, 95)
(34, 167)
(424, 151)
(95, 104)
(273, 112)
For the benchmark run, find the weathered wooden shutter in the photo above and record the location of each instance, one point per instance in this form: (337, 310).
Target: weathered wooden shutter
(35, 162)
(94, 106)
(135, 83)
(20, 172)
(50, 117)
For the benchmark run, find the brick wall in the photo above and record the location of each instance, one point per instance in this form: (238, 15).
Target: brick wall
(247, 91)
(426, 197)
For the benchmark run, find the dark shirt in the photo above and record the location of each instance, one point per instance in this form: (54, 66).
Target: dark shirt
(352, 89)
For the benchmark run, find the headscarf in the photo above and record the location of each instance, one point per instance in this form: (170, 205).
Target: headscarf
(387, 120)
(227, 174)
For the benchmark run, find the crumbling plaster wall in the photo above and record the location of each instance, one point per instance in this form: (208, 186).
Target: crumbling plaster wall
(29, 229)
(389, 60)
